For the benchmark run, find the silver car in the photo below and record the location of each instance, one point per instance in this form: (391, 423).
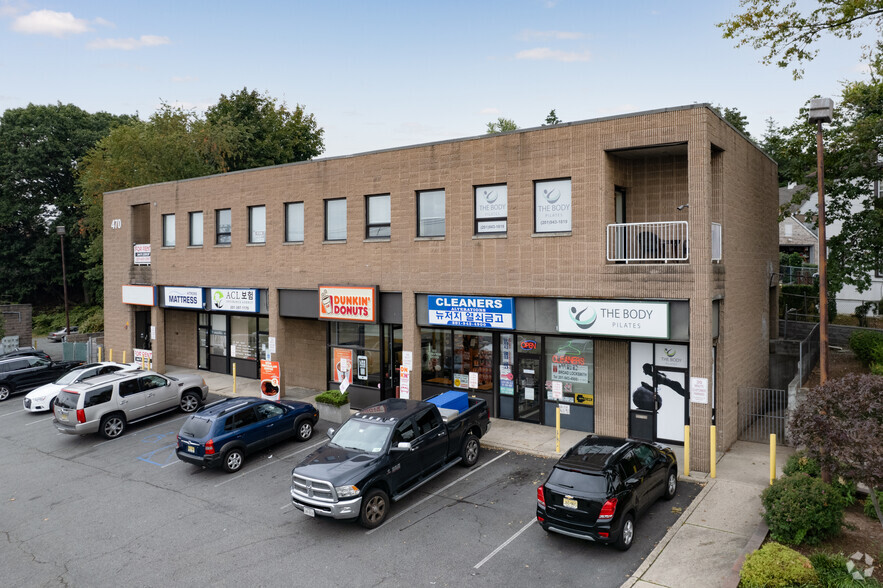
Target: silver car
(108, 404)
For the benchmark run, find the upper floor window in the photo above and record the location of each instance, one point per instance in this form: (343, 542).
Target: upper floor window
(552, 207)
(431, 213)
(491, 209)
(196, 229)
(377, 216)
(223, 226)
(257, 224)
(168, 230)
(335, 219)
(294, 222)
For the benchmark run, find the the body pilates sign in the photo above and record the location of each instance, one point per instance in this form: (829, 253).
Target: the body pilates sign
(174, 297)
(235, 300)
(471, 311)
(645, 320)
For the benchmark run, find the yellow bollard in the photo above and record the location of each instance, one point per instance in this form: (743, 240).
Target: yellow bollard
(713, 451)
(558, 429)
(686, 450)
(124, 356)
(99, 355)
(772, 458)
(234, 377)
(110, 357)
(143, 362)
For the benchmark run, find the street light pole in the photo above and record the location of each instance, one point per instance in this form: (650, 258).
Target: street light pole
(821, 110)
(67, 317)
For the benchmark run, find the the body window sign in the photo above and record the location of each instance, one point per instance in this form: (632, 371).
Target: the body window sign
(472, 311)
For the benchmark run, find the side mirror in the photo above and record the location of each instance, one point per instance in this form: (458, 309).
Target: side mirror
(402, 446)
(330, 432)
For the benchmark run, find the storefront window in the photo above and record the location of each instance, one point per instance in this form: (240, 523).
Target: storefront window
(218, 337)
(570, 362)
(435, 354)
(243, 337)
(360, 345)
(473, 352)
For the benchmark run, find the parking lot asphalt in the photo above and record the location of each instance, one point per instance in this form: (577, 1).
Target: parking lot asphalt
(84, 511)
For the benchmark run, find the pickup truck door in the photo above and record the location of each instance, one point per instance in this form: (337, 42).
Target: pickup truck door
(432, 439)
(404, 466)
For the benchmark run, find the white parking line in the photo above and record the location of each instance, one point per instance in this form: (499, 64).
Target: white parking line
(14, 412)
(256, 468)
(139, 431)
(172, 463)
(434, 494)
(40, 421)
(505, 543)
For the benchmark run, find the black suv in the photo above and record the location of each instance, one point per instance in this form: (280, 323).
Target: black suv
(598, 488)
(23, 374)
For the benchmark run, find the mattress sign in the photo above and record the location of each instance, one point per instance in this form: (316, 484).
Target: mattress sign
(471, 311)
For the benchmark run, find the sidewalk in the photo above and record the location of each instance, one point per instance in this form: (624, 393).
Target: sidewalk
(709, 541)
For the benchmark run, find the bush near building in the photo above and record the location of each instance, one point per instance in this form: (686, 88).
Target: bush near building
(802, 509)
(868, 348)
(776, 566)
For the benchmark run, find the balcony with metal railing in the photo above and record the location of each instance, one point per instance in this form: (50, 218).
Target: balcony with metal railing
(656, 242)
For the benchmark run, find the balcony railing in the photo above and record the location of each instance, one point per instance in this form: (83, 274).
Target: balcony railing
(643, 242)
(716, 242)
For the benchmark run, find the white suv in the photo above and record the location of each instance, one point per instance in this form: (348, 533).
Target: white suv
(107, 404)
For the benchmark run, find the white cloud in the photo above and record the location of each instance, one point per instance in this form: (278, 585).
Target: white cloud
(49, 22)
(130, 43)
(546, 54)
(528, 35)
(104, 23)
(492, 111)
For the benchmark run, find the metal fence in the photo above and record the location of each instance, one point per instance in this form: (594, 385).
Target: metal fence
(809, 354)
(83, 350)
(763, 412)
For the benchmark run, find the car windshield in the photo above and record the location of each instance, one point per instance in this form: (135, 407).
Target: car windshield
(362, 436)
(66, 399)
(69, 378)
(579, 481)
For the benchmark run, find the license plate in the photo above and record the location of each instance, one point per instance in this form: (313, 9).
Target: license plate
(570, 503)
(63, 416)
(310, 512)
(191, 449)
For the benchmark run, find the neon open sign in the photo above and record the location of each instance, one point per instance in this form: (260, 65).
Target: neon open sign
(528, 345)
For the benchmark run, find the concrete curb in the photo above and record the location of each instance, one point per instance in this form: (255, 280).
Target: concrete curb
(754, 542)
(672, 531)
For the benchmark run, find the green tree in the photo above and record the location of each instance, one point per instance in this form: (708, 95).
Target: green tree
(41, 148)
(789, 32)
(501, 125)
(734, 117)
(552, 119)
(263, 132)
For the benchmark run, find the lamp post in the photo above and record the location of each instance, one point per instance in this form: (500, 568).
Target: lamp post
(67, 317)
(821, 110)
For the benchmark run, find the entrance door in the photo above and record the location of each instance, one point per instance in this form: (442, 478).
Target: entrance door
(529, 389)
(218, 344)
(142, 329)
(202, 338)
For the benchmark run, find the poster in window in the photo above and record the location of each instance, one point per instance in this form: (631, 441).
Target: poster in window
(343, 367)
(552, 206)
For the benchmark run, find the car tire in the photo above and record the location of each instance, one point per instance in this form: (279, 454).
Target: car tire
(112, 425)
(671, 484)
(5, 391)
(303, 429)
(189, 402)
(233, 460)
(375, 507)
(470, 451)
(627, 535)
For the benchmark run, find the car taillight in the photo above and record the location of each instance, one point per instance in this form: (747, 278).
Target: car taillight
(210, 447)
(607, 510)
(81, 415)
(541, 497)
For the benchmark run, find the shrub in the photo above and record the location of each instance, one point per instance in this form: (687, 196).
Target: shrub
(869, 504)
(802, 509)
(776, 566)
(800, 462)
(333, 397)
(832, 571)
(867, 346)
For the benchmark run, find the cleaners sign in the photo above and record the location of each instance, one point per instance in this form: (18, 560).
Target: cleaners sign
(644, 320)
(472, 311)
(183, 298)
(356, 303)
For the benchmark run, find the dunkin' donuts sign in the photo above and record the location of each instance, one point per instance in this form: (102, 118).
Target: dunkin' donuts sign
(348, 303)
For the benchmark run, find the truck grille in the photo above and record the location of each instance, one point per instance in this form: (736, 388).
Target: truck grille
(310, 488)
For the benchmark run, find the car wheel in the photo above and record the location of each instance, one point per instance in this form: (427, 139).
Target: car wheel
(189, 402)
(375, 507)
(471, 449)
(628, 533)
(112, 426)
(5, 391)
(233, 460)
(303, 429)
(671, 484)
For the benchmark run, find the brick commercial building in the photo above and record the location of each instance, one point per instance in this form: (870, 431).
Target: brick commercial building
(617, 269)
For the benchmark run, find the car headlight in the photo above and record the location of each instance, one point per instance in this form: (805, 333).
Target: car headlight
(346, 491)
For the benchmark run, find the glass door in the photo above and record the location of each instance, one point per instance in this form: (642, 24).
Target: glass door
(202, 331)
(218, 344)
(529, 390)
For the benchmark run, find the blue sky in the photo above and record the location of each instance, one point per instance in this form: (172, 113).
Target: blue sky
(385, 74)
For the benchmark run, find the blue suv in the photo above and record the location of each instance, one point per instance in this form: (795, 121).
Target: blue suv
(225, 432)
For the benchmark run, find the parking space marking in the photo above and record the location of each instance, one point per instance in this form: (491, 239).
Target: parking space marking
(256, 468)
(14, 412)
(161, 456)
(505, 543)
(40, 421)
(138, 432)
(434, 494)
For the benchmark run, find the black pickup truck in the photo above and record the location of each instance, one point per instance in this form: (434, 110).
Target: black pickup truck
(383, 453)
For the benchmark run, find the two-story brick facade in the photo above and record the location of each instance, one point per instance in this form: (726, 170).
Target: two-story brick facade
(618, 269)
